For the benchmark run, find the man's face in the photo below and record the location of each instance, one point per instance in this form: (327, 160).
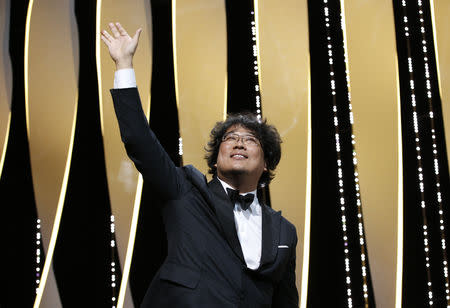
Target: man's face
(240, 153)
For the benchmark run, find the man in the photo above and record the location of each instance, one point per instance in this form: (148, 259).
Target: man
(225, 248)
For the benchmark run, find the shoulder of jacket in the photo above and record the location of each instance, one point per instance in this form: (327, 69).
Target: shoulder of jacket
(194, 175)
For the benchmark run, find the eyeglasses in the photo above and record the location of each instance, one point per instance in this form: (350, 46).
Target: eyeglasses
(248, 140)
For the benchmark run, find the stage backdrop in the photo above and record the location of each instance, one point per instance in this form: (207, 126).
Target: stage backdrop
(359, 92)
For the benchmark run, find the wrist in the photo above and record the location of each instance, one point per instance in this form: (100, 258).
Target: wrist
(122, 64)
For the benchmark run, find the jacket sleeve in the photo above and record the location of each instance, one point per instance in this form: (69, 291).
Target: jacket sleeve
(285, 293)
(142, 146)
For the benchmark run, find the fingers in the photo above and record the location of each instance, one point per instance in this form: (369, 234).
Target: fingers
(118, 31)
(121, 29)
(106, 35)
(114, 30)
(105, 40)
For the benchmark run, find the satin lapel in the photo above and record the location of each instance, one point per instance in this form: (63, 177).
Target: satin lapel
(224, 212)
(270, 234)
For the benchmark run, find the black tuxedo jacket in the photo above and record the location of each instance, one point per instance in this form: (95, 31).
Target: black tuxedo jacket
(205, 266)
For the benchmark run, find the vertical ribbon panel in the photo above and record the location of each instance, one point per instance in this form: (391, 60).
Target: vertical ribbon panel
(200, 62)
(124, 182)
(285, 95)
(370, 37)
(51, 92)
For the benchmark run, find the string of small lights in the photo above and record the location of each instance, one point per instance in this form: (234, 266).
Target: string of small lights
(38, 253)
(113, 263)
(362, 244)
(428, 83)
(339, 156)
(254, 31)
(180, 146)
(343, 204)
(418, 141)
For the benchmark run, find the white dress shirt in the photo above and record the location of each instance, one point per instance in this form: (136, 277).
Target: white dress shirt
(124, 78)
(248, 223)
(248, 226)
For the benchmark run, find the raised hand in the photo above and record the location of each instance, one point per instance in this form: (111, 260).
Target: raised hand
(120, 45)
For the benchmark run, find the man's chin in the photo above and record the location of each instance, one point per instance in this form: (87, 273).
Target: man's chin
(235, 172)
(239, 171)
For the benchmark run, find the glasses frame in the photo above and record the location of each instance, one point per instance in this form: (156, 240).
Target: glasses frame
(246, 139)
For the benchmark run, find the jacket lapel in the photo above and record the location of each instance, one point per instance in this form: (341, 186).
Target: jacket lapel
(223, 208)
(270, 234)
(224, 211)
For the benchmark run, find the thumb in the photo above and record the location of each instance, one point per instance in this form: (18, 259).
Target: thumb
(137, 34)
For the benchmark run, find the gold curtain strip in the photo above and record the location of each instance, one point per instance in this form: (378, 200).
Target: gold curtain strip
(51, 94)
(285, 91)
(373, 74)
(124, 182)
(200, 61)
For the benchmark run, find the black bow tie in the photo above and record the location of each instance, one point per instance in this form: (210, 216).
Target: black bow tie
(244, 201)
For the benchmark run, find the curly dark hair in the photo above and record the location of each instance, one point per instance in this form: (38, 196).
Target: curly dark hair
(267, 135)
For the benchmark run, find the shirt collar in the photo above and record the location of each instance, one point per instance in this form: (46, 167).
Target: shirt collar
(225, 185)
(254, 206)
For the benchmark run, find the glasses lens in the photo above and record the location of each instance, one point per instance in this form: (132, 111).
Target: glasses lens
(250, 140)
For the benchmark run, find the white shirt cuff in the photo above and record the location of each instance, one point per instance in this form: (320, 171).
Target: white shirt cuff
(124, 78)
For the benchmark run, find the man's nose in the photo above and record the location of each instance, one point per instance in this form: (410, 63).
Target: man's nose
(239, 144)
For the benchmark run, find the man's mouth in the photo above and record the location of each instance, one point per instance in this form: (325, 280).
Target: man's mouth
(238, 156)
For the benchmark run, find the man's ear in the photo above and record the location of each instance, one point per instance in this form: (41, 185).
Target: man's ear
(215, 165)
(265, 167)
